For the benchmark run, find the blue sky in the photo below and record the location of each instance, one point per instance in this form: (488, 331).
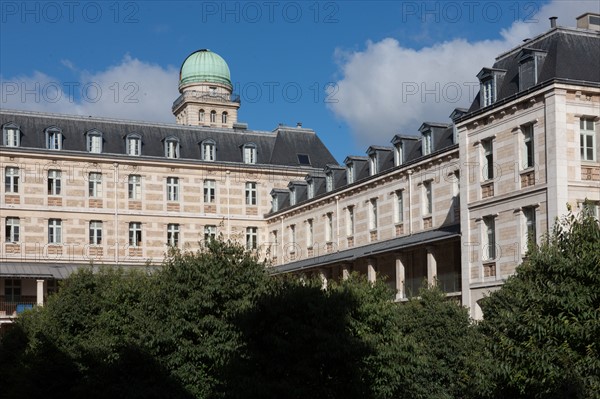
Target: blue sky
(357, 72)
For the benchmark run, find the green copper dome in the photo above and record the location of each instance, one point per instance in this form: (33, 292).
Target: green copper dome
(204, 66)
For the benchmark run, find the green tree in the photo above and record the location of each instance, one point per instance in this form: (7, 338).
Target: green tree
(544, 323)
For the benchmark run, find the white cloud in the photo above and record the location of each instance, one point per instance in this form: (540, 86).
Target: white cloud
(133, 89)
(388, 88)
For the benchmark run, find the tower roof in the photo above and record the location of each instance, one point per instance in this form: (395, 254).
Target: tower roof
(204, 66)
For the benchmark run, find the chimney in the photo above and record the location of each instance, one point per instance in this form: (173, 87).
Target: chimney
(553, 22)
(589, 20)
(299, 124)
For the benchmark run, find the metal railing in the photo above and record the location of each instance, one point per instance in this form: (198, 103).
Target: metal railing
(14, 308)
(206, 95)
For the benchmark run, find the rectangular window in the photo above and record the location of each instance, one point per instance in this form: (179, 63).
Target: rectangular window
(95, 232)
(373, 164)
(95, 143)
(11, 180)
(398, 154)
(134, 187)
(249, 154)
(530, 232)
(12, 290)
(134, 146)
(373, 214)
(292, 196)
(172, 189)
(12, 229)
(587, 139)
(488, 159)
(172, 149)
(590, 208)
(250, 193)
(11, 137)
(210, 191)
(274, 243)
(172, 234)
(210, 232)
(309, 233)
(135, 234)
(54, 139)
(95, 185)
(329, 227)
(350, 222)
(275, 203)
(251, 237)
(209, 150)
(527, 149)
(329, 182)
(54, 231)
(293, 234)
(54, 182)
(399, 214)
(488, 89)
(310, 189)
(427, 143)
(489, 247)
(427, 199)
(350, 173)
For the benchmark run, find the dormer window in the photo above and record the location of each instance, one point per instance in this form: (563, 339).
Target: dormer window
(350, 173)
(94, 142)
(398, 154)
(209, 150)
(224, 117)
(213, 116)
(53, 138)
(292, 196)
(275, 203)
(134, 145)
(530, 65)
(310, 189)
(427, 143)
(373, 164)
(249, 152)
(329, 182)
(172, 147)
(489, 79)
(11, 135)
(201, 116)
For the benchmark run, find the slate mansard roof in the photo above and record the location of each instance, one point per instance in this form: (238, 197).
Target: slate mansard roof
(280, 147)
(570, 55)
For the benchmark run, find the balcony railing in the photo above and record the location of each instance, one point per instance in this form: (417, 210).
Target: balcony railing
(14, 308)
(206, 95)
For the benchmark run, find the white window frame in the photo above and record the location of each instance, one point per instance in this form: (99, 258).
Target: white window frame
(373, 216)
(173, 234)
(11, 179)
(210, 232)
(427, 142)
(584, 134)
(529, 225)
(53, 138)
(95, 232)
(350, 172)
(224, 116)
(54, 182)
(398, 154)
(489, 239)
(487, 147)
(134, 187)
(135, 234)
(249, 153)
(310, 238)
(329, 227)
(593, 207)
(134, 145)
(373, 164)
(172, 148)
(293, 234)
(274, 203)
(213, 116)
(210, 191)
(201, 115)
(251, 193)
(399, 206)
(350, 221)
(251, 237)
(54, 231)
(12, 229)
(427, 198)
(527, 146)
(310, 189)
(94, 142)
(488, 91)
(292, 196)
(329, 182)
(95, 185)
(11, 135)
(209, 150)
(172, 188)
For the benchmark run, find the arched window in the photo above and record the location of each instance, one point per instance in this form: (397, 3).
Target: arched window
(224, 117)
(201, 116)
(213, 116)
(172, 147)
(53, 138)
(11, 135)
(133, 143)
(249, 153)
(94, 141)
(208, 150)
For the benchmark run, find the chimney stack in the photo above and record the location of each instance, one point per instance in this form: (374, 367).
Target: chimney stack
(553, 21)
(299, 124)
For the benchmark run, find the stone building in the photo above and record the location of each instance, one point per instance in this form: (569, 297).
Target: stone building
(454, 204)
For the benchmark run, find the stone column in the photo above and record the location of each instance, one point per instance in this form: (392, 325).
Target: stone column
(431, 265)
(400, 277)
(40, 292)
(371, 271)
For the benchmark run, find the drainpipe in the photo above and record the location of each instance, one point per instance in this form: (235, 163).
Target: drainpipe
(281, 239)
(116, 217)
(409, 172)
(337, 221)
(228, 183)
